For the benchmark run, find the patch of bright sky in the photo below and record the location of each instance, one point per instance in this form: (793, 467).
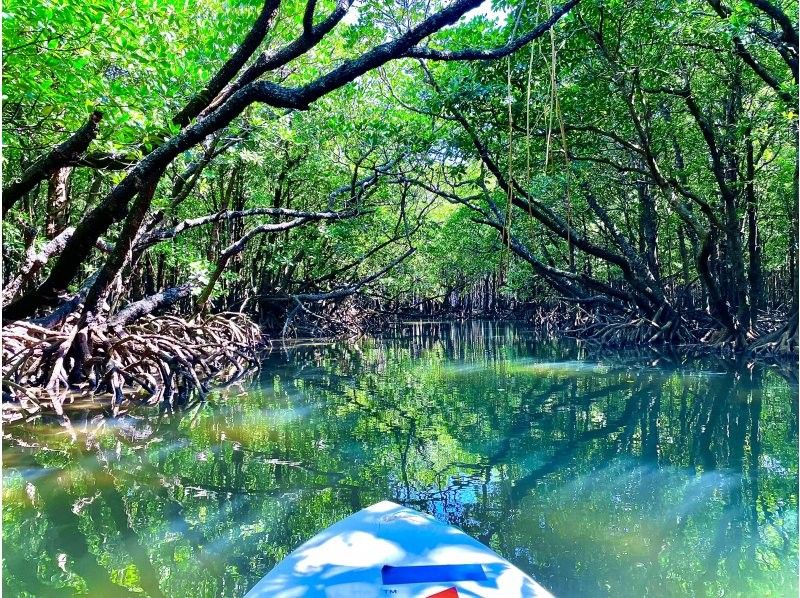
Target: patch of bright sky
(483, 10)
(488, 10)
(351, 17)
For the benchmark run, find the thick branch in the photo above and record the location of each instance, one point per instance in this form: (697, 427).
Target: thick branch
(270, 61)
(747, 57)
(717, 167)
(239, 245)
(566, 283)
(786, 44)
(62, 155)
(523, 200)
(780, 17)
(759, 70)
(308, 17)
(148, 305)
(34, 260)
(228, 71)
(121, 252)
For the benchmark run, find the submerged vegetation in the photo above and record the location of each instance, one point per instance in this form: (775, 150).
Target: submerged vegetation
(623, 170)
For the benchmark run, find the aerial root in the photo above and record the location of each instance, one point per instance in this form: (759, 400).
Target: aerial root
(626, 329)
(784, 340)
(776, 339)
(156, 359)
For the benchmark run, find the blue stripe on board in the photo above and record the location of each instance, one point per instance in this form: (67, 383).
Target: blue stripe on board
(426, 573)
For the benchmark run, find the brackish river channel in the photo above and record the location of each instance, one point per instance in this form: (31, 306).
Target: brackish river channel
(600, 474)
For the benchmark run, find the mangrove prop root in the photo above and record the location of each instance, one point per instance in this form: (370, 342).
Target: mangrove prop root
(775, 337)
(161, 358)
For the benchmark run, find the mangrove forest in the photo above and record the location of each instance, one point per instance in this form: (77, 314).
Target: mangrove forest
(531, 268)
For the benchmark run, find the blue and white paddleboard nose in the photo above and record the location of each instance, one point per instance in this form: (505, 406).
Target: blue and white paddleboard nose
(390, 551)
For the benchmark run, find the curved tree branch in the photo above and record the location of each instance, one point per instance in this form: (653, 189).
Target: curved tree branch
(494, 53)
(63, 154)
(113, 207)
(228, 71)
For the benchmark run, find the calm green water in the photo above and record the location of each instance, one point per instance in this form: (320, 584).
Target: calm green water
(612, 475)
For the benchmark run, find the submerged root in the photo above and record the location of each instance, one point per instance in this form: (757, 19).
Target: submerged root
(697, 335)
(158, 359)
(628, 330)
(783, 341)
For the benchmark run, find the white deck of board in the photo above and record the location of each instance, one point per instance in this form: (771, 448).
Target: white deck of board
(345, 560)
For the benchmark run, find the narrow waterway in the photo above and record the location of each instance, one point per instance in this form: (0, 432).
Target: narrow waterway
(600, 475)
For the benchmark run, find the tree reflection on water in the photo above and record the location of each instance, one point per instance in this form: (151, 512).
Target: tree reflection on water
(599, 474)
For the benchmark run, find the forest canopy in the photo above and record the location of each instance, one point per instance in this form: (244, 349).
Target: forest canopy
(626, 168)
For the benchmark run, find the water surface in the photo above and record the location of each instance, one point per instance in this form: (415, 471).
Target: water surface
(600, 475)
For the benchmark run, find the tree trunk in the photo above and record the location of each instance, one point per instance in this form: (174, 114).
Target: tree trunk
(733, 246)
(57, 202)
(755, 275)
(121, 252)
(649, 227)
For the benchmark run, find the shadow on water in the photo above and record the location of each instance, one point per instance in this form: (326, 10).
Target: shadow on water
(599, 474)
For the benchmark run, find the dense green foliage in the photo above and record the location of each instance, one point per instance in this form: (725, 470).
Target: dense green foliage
(639, 159)
(624, 168)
